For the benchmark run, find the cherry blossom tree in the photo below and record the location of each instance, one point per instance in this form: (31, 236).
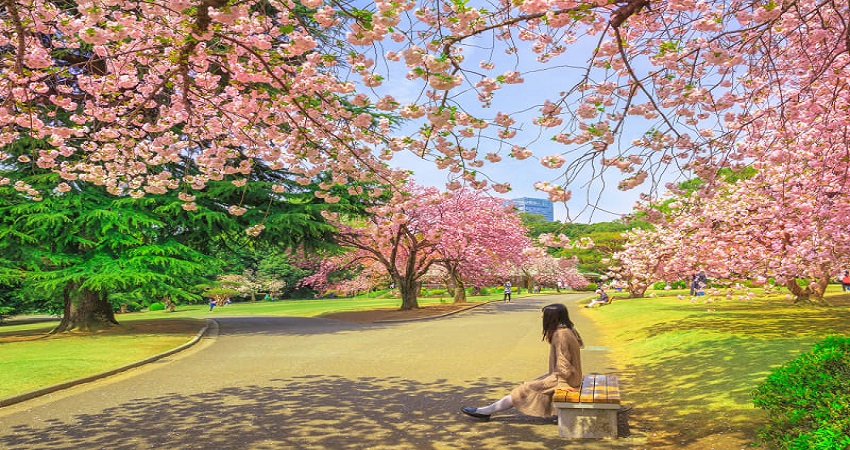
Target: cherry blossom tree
(648, 256)
(785, 220)
(540, 267)
(118, 90)
(401, 236)
(474, 238)
(481, 239)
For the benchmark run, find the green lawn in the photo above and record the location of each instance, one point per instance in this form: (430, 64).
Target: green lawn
(31, 360)
(690, 367)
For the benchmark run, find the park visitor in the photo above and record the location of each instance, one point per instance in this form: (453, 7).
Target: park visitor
(507, 291)
(845, 281)
(534, 398)
(601, 300)
(698, 283)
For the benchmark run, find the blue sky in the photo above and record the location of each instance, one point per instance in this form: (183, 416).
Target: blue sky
(595, 195)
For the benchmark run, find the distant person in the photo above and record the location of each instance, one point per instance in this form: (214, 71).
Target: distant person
(534, 398)
(698, 283)
(212, 304)
(603, 299)
(845, 281)
(693, 284)
(507, 297)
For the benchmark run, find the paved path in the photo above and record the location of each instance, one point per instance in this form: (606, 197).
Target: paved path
(291, 383)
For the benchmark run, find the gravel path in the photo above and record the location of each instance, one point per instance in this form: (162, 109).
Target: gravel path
(291, 383)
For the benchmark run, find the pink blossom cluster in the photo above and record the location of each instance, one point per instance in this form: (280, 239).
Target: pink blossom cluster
(694, 85)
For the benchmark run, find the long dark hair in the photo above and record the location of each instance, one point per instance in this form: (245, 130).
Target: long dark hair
(556, 316)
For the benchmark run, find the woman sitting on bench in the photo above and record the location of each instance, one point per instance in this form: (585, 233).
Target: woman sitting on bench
(534, 398)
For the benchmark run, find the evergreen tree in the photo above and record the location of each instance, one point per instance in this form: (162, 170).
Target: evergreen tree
(77, 244)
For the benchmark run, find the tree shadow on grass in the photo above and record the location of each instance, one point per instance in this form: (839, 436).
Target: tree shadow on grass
(703, 391)
(304, 412)
(763, 323)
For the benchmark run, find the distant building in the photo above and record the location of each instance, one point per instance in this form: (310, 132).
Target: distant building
(535, 206)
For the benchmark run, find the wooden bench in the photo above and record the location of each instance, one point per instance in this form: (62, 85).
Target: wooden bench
(591, 412)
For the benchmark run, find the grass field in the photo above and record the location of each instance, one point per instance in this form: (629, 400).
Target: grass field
(690, 366)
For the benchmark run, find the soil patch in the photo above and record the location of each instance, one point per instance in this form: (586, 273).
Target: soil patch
(379, 315)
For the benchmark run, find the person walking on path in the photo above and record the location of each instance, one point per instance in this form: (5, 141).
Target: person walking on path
(534, 398)
(845, 281)
(507, 297)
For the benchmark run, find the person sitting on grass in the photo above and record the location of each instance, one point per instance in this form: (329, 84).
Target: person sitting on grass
(602, 300)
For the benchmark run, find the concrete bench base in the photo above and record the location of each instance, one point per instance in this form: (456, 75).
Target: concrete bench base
(587, 420)
(591, 411)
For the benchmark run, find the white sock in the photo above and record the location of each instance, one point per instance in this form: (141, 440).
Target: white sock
(501, 405)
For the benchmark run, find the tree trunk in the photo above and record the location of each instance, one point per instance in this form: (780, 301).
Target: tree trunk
(800, 294)
(409, 292)
(637, 290)
(460, 288)
(813, 292)
(85, 310)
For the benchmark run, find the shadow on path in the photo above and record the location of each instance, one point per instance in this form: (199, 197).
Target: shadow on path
(303, 412)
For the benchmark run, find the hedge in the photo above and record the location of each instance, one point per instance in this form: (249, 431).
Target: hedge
(808, 399)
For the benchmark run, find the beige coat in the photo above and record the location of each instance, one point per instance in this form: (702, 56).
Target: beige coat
(534, 398)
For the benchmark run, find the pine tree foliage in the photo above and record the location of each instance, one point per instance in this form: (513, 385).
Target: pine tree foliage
(83, 243)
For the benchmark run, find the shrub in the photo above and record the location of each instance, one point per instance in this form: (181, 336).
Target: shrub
(807, 400)
(485, 291)
(589, 287)
(659, 286)
(437, 292)
(158, 306)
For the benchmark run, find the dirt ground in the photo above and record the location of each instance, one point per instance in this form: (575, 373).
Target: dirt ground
(380, 315)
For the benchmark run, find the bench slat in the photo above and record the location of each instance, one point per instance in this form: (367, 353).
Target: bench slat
(560, 395)
(587, 389)
(594, 389)
(613, 389)
(600, 389)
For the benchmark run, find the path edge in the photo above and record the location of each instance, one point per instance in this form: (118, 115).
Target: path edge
(29, 395)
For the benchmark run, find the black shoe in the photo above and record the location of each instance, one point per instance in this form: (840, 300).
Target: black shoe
(472, 412)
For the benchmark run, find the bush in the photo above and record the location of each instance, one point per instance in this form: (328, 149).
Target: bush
(589, 287)
(158, 306)
(807, 400)
(659, 286)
